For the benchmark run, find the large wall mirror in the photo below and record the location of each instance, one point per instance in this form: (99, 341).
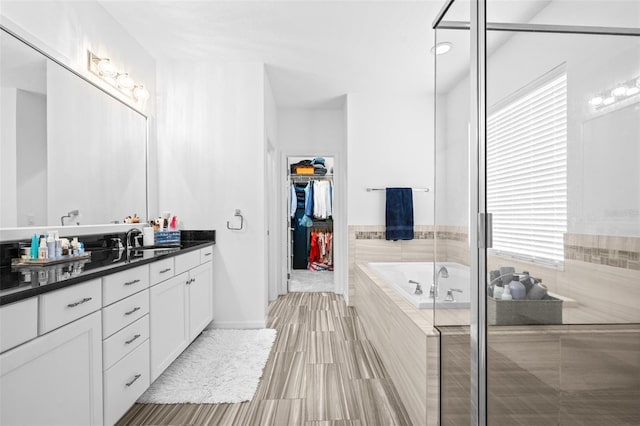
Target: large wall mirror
(66, 146)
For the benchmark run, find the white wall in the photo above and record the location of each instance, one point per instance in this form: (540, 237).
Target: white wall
(273, 224)
(211, 147)
(390, 144)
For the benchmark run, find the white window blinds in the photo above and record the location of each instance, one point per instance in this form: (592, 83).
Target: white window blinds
(527, 171)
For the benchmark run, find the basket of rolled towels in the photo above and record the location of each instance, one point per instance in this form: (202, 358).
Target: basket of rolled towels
(517, 298)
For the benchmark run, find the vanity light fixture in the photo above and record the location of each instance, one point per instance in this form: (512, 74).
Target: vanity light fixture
(103, 68)
(619, 92)
(441, 48)
(124, 82)
(140, 93)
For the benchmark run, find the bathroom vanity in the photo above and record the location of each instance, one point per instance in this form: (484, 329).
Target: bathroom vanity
(80, 347)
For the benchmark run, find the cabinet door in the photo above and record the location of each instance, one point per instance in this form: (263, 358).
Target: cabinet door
(169, 332)
(55, 379)
(200, 298)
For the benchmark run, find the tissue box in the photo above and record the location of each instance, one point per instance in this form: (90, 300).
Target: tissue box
(524, 312)
(167, 237)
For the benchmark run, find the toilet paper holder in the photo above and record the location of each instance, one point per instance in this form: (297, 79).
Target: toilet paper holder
(236, 214)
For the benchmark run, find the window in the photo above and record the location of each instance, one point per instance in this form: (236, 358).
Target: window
(527, 170)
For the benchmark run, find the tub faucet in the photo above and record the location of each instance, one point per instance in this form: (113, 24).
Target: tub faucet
(433, 292)
(418, 291)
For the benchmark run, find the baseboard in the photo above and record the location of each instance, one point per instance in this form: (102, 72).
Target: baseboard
(239, 325)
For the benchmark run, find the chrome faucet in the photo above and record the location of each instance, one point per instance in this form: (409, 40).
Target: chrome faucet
(418, 291)
(130, 236)
(434, 291)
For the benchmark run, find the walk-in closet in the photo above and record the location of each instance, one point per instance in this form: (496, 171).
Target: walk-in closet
(310, 237)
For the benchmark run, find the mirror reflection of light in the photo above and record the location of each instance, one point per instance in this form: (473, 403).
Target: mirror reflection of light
(596, 100)
(632, 91)
(441, 48)
(619, 90)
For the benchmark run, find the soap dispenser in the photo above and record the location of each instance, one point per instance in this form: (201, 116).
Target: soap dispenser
(498, 291)
(517, 289)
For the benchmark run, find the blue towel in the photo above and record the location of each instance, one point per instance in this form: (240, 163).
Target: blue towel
(399, 214)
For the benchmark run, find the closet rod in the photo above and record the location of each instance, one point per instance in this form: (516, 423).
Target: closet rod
(384, 189)
(310, 177)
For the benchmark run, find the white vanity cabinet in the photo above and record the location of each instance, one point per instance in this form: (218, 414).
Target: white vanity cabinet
(83, 354)
(125, 330)
(55, 379)
(181, 307)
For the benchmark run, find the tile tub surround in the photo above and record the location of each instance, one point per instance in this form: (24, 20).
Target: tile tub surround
(568, 375)
(406, 341)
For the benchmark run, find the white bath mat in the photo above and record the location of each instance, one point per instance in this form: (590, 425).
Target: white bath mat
(220, 366)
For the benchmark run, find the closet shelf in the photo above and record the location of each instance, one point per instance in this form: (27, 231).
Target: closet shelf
(306, 178)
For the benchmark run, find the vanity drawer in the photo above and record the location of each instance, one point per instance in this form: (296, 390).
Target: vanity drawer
(124, 341)
(161, 270)
(125, 382)
(187, 261)
(123, 313)
(206, 254)
(60, 307)
(122, 284)
(18, 323)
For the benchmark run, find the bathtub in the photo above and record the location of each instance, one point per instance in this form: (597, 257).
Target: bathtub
(398, 274)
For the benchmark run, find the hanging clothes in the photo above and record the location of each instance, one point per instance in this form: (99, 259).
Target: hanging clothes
(322, 199)
(321, 252)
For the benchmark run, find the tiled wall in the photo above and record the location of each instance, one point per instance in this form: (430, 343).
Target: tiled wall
(600, 273)
(367, 243)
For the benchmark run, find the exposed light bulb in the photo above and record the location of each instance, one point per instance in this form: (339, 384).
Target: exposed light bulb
(619, 90)
(106, 68)
(140, 93)
(632, 91)
(441, 48)
(123, 81)
(595, 101)
(609, 100)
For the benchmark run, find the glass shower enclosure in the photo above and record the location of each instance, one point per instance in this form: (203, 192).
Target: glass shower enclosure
(537, 147)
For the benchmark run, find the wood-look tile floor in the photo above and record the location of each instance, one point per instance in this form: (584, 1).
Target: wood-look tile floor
(322, 371)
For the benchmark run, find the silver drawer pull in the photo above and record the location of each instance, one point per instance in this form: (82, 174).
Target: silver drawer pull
(132, 282)
(207, 254)
(136, 377)
(165, 270)
(128, 342)
(137, 308)
(74, 304)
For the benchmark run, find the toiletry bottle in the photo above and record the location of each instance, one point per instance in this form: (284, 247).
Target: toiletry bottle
(517, 289)
(506, 295)
(43, 251)
(74, 246)
(34, 246)
(51, 246)
(58, 247)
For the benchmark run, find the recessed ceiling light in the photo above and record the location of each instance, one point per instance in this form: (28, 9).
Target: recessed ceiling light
(441, 48)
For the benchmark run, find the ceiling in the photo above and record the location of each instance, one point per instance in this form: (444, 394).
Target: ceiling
(314, 51)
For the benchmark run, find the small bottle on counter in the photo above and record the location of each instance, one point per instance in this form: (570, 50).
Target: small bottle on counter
(43, 252)
(51, 246)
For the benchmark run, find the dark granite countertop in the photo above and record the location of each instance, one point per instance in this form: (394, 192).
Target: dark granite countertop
(18, 283)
